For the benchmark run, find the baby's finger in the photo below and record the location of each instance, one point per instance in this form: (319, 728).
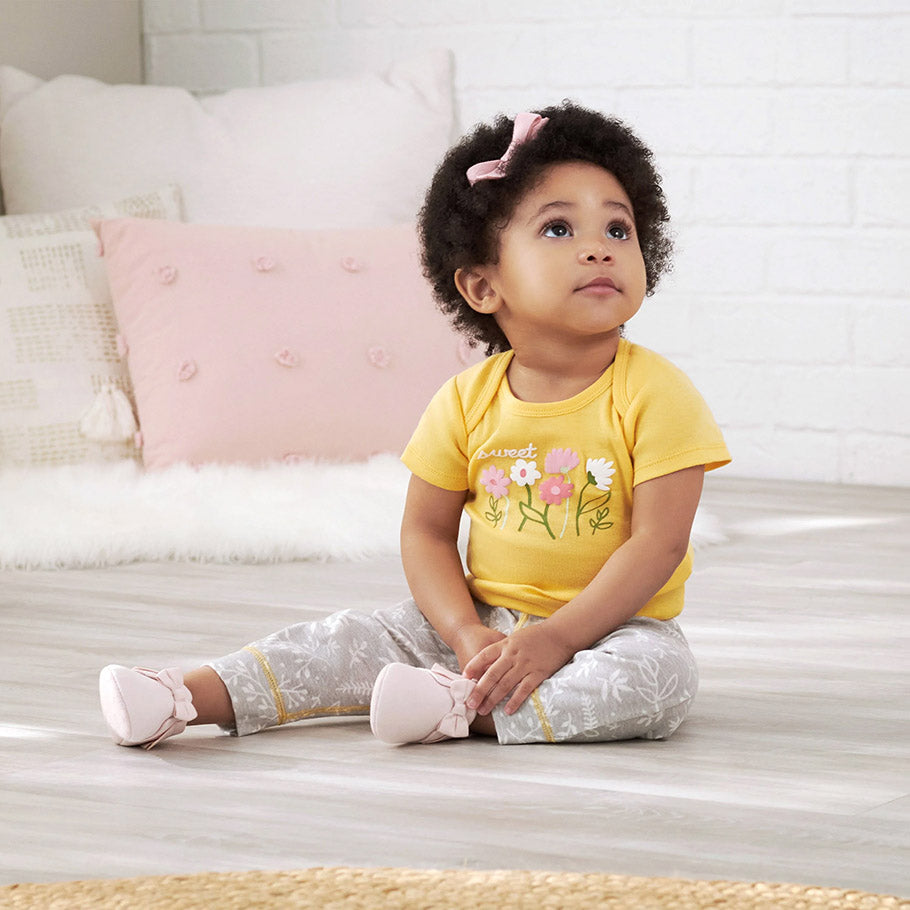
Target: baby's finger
(487, 686)
(499, 691)
(522, 692)
(481, 662)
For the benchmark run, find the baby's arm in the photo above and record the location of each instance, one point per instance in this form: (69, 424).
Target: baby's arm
(662, 513)
(432, 565)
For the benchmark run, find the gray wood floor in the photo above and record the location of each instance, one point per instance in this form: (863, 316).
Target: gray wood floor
(792, 767)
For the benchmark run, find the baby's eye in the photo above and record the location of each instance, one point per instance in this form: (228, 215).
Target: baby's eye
(619, 231)
(557, 229)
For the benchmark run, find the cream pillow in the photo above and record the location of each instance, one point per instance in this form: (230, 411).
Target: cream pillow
(326, 153)
(58, 349)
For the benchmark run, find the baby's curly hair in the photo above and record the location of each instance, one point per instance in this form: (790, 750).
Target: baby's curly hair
(459, 224)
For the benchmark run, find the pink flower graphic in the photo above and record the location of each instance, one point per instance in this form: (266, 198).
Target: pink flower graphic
(555, 490)
(561, 461)
(495, 482)
(524, 473)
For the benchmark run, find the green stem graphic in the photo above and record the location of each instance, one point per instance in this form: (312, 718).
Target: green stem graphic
(494, 515)
(596, 503)
(529, 513)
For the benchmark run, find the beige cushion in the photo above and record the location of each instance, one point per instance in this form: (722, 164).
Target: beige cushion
(58, 344)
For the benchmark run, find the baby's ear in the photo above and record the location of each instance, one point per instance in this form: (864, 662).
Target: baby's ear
(477, 290)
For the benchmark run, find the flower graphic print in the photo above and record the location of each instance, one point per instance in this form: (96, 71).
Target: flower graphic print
(601, 471)
(561, 461)
(556, 489)
(553, 491)
(524, 473)
(599, 475)
(496, 483)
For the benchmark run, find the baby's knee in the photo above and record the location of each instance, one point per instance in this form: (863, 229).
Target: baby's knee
(668, 721)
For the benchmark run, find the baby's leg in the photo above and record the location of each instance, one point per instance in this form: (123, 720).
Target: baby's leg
(313, 669)
(636, 683)
(317, 669)
(210, 697)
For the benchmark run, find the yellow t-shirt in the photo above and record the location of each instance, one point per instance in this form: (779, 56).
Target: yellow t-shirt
(550, 484)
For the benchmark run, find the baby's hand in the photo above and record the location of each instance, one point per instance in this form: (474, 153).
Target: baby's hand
(517, 664)
(471, 640)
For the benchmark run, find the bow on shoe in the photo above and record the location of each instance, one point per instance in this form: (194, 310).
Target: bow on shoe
(526, 127)
(173, 680)
(455, 724)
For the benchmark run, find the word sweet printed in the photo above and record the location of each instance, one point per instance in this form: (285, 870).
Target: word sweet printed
(529, 451)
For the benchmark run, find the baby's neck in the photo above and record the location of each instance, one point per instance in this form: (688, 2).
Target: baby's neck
(547, 375)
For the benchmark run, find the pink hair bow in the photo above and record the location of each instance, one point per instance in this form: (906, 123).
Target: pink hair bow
(527, 126)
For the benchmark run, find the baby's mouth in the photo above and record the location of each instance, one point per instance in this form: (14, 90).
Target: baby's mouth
(603, 283)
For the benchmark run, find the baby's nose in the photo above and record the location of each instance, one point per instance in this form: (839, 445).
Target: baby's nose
(594, 252)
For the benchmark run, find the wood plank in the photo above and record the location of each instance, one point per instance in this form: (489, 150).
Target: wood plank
(792, 767)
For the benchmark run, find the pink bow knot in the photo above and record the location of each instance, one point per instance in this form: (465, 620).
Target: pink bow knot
(461, 688)
(183, 704)
(455, 724)
(183, 698)
(527, 126)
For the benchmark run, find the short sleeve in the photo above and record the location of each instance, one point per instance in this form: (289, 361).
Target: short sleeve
(437, 452)
(667, 424)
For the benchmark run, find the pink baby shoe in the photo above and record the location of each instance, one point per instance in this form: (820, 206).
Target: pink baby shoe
(415, 705)
(143, 707)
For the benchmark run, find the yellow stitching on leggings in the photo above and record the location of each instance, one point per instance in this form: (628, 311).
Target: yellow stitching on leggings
(338, 711)
(542, 717)
(535, 698)
(273, 684)
(283, 716)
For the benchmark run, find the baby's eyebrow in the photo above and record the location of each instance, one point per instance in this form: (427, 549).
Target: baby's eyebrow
(559, 204)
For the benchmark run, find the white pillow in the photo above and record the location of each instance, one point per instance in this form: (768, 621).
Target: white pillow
(332, 153)
(58, 337)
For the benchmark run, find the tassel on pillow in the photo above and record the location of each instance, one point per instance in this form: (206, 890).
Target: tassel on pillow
(110, 417)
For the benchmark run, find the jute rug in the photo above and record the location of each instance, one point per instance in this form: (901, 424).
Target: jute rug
(412, 889)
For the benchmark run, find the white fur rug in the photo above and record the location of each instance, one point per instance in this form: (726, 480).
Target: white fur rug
(82, 516)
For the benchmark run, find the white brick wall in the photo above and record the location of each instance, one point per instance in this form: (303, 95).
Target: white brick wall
(783, 131)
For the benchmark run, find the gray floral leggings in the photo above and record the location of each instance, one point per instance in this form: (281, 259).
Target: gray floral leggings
(637, 682)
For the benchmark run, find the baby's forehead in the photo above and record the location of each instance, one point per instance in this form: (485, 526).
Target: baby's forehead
(574, 183)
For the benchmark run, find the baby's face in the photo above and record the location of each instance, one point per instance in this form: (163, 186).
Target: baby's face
(570, 263)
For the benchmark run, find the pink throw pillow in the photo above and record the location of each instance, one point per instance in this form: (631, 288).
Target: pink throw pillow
(256, 344)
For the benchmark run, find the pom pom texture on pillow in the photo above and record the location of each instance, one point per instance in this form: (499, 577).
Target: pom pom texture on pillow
(249, 345)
